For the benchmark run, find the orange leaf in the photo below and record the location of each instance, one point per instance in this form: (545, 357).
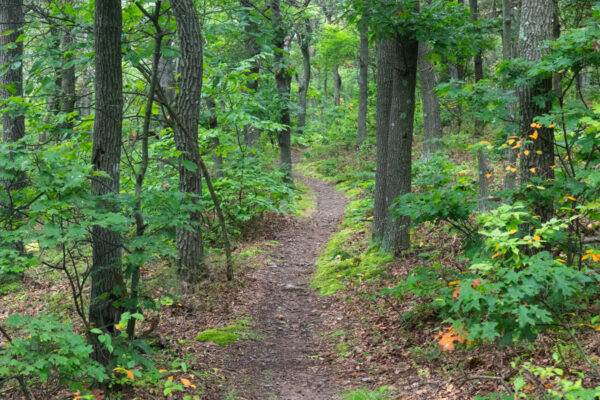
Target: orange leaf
(456, 293)
(448, 337)
(496, 255)
(187, 382)
(162, 370)
(476, 283)
(571, 198)
(128, 372)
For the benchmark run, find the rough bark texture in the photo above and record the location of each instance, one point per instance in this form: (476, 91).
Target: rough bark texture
(508, 49)
(432, 120)
(190, 265)
(337, 85)
(11, 19)
(385, 49)
(283, 82)
(303, 85)
(68, 76)
(482, 162)
(536, 27)
(212, 124)
(251, 50)
(363, 85)
(396, 82)
(106, 157)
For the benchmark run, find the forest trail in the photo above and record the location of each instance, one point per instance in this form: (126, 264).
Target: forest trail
(287, 313)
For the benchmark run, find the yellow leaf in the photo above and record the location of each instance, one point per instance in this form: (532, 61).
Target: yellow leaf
(537, 238)
(533, 125)
(513, 231)
(511, 141)
(484, 142)
(488, 175)
(187, 383)
(584, 257)
(526, 152)
(170, 378)
(530, 185)
(119, 326)
(560, 260)
(571, 198)
(551, 126)
(122, 191)
(532, 170)
(162, 370)
(516, 146)
(535, 135)
(453, 283)
(513, 170)
(538, 152)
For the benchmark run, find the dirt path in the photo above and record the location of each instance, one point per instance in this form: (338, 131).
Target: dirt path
(288, 313)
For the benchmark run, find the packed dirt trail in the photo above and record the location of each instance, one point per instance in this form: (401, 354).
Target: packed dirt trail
(287, 313)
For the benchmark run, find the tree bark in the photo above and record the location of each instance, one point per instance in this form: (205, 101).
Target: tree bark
(363, 85)
(303, 85)
(190, 264)
(283, 82)
(508, 48)
(396, 83)
(432, 120)
(68, 75)
(11, 20)
(536, 27)
(482, 162)
(337, 85)
(251, 50)
(107, 280)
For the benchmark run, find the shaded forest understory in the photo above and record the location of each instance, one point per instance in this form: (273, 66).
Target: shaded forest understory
(283, 199)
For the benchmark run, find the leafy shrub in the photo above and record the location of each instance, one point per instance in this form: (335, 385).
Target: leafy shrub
(51, 350)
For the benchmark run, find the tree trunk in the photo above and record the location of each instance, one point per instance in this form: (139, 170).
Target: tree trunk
(396, 83)
(385, 50)
(283, 82)
(251, 50)
(190, 264)
(107, 280)
(217, 155)
(11, 23)
(538, 147)
(432, 120)
(482, 162)
(68, 76)
(337, 85)
(508, 46)
(363, 85)
(305, 82)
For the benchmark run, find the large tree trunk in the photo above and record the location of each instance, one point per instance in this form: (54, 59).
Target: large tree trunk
(508, 49)
(385, 50)
(363, 85)
(106, 157)
(251, 50)
(11, 22)
(482, 162)
(283, 82)
(396, 83)
(337, 85)
(190, 264)
(538, 148)
(305, 82)
(432, 120)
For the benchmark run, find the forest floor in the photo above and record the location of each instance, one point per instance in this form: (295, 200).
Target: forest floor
(285, 314)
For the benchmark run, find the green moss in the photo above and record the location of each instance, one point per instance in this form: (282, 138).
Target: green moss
(363, 394)
(250, 252)
(336, 267)
(222, 336)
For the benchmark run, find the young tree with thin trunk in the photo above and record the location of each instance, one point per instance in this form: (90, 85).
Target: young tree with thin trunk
(508, 50)
(190, 265)
(106, 272)
(432, 119)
